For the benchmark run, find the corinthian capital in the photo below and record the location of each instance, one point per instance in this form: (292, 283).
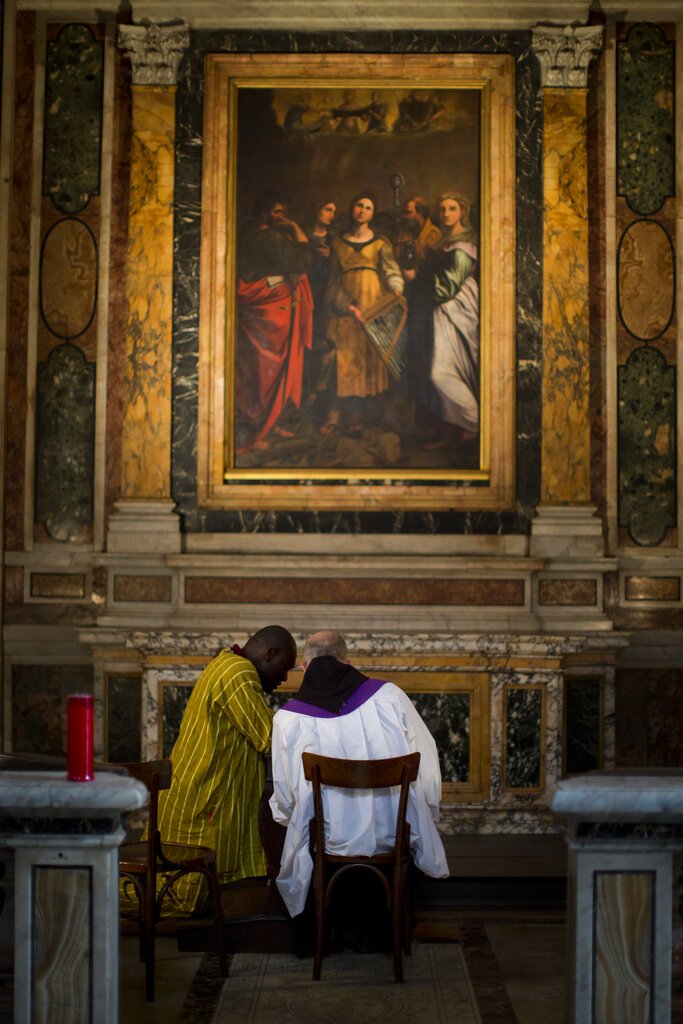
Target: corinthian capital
(154, 51)
(564, 53)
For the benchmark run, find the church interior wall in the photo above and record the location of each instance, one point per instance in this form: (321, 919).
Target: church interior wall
(535, 646)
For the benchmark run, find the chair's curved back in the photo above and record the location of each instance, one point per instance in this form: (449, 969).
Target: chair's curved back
(156, 775)
(381, 773)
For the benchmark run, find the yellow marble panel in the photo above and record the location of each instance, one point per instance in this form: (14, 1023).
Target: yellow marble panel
(646, 279)
(146, 443)
(565, 417)
(623, 946)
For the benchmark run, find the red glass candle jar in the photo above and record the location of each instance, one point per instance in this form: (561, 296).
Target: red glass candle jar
(79, 738)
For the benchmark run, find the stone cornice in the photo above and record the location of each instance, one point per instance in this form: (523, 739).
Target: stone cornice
(155, 51)
(564, 53)
(329, 15)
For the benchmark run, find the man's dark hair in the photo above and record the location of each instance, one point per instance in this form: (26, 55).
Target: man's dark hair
(421, 205)
(273, 636)
(265, 201)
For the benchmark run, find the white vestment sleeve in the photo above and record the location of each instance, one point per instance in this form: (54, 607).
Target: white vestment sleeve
(420, 738)
(282, 800)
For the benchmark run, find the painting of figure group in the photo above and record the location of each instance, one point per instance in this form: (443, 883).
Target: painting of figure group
(308, 374)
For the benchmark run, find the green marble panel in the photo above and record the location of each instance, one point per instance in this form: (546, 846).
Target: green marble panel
(647, 446)
(645, 118)
(448, 716)
(73, 118)
(583, 725)
(174, 698)
(38, 705)
(65, 440)
(124, 708)
(523, 738)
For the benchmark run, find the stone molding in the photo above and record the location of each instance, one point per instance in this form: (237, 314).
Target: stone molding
(564, 53)
(155, 51)
(144, 527)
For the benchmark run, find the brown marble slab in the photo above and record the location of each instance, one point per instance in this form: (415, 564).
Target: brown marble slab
(57, 584)
(240, 590)
(652, 588)
(142, 588)
(567, 592)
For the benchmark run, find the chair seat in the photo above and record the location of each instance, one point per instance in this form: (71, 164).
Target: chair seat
(133, 856)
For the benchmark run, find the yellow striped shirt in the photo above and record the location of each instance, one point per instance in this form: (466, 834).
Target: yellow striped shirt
(218, 775)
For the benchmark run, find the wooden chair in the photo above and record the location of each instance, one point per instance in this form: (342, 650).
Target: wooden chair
(329, 868)
(142, 861)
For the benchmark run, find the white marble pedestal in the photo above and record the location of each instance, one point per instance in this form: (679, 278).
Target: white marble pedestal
(623, 831)
(65, 838)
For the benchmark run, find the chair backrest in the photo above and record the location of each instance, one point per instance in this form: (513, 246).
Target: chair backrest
(156, 775)
(349, 774)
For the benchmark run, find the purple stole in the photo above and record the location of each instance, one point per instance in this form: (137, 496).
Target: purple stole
(359, 696)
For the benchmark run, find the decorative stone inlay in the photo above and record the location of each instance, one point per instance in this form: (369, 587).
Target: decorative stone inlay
(567, 592)
(564, 54)
(646, 279)
(652, 588)
(646, 130)
(68, 278)
(57, 584)
(647, 446)
(65, 432)
(73, 118)
(583, 725)
(288, 590)
(523, 723)
(155, 51)
(142, 588)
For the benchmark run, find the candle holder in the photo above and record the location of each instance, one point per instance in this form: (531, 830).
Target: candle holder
(79, 739)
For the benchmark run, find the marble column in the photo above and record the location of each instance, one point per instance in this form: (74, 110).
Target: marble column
(144, 519)
(566, 522)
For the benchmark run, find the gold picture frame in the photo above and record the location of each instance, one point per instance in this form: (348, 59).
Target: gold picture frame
(294, 90)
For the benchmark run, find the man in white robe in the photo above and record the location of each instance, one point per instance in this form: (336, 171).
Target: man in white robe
(341, 713)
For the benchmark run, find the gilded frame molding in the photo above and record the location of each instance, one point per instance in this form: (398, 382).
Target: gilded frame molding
(491, 486)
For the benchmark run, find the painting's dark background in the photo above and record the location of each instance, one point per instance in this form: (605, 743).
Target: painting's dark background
(314, 168)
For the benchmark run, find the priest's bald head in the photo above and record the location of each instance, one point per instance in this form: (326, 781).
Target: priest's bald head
(325, 643)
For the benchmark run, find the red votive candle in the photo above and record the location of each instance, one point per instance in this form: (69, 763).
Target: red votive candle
(79, 738)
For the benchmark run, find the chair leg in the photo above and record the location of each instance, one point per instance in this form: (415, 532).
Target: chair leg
(407, 914)
(398, 939)
(215, 893)
(149, 940)
(319, 932)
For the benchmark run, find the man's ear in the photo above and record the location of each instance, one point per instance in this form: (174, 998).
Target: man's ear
(270, 654)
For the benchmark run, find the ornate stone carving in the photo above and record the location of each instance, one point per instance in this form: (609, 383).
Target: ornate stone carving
(154, 51)
(564, 54)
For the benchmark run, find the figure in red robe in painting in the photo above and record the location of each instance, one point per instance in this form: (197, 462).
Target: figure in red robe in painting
(274, 323)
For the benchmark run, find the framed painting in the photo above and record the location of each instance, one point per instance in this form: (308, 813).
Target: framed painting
(357, 282)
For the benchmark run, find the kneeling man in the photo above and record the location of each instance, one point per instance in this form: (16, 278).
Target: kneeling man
(341, 713)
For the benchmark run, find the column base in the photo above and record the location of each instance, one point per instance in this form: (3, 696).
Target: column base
(143, 526)
(561, 531)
